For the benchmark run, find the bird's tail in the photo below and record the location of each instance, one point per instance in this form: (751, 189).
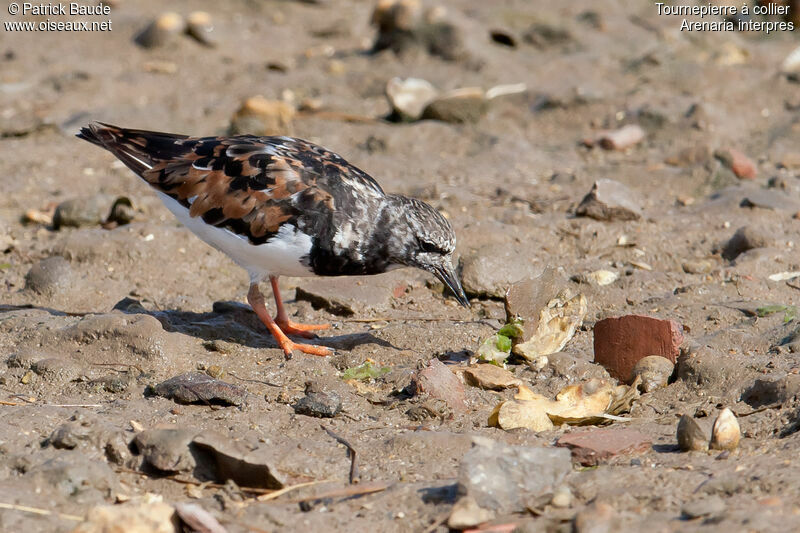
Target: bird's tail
(140, 150)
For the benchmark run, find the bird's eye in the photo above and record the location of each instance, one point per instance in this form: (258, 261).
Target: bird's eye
(429, 247)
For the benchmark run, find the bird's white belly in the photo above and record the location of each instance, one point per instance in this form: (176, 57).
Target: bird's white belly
(280, 256)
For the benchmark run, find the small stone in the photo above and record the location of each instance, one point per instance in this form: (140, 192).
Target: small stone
(167, 449)
(122, 211)
(409, 97)
(458, 106)
(318, 402)
(598, 277)
(562, 497)
(215, 371)
(697, 266)
(26, 377)
(220, 346)
(620, 342)
(84, 211)
(621, 139)
(544, 35)
(114, 383)
(746, 238)
(725, 432)
(691, 435)
(776, 200)
(200, 27)
(610, 200)
(49, 276)
(698, 154)
(487, 376)
(234, 460)
(505, 478)
(466, 513)
(654, 372)
(706, 507)
(503, 38)
(160, 31)
(737, 162)
(489, 271)
(194, 387)
(593, 447)
(437, 381)
(259, 116)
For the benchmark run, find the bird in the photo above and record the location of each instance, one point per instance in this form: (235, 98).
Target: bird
(283, 206)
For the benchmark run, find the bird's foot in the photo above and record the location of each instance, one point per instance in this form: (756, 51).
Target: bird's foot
(300, 330)
(289, 346)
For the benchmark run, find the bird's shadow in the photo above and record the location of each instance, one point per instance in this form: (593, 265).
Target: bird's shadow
(237, 323)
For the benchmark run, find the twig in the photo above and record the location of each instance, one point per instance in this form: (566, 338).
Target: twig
(353, 455)
(438, 522)
(284, 490)
(354, 490)
(10, 403)
(36, 510)
(792, 285)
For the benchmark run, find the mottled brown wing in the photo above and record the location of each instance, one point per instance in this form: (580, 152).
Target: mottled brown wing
(249, 185)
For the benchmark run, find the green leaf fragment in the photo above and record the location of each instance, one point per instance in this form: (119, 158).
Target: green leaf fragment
(365, 371)
(513, 329)
(4, 266)
(789, 311)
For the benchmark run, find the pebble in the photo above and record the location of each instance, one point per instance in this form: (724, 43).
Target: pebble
(409, 97)
(562, 497)
(458, 106)
(83, 211)
(725, 432)
(697, 266)
(610, 200)
(167, 450)
(691, 435)
(437, 381)
(200, 27)
(492, 377)
(737, 162)
(654, 371)
(776, 200)
(746, 238)
(245, 465)
(595, 446)
(161, 31)
(260, 116)
(488, 271)
(621, 139)
(466, 513)
(318, 402)
(544, 35)
(504, 478)
(620, 342)
(194, 387)
(49, 276)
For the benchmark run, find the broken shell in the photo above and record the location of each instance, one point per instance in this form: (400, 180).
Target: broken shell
(725, 433)
(691, 436)
(409, 97)
(655, 372)
(562, 497)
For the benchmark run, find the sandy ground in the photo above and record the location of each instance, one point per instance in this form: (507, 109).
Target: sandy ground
(509, 182)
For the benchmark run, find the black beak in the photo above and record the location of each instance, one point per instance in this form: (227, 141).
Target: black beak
(447, 274)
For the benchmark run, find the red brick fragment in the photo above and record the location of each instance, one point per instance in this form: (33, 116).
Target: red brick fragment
(590, 448)
(620, 342)
(740, 164)
(438, 381)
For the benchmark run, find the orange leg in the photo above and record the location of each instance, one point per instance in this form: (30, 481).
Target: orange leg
(282, 319)
(256, 301)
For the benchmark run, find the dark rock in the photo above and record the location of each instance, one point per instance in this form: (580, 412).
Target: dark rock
(232, 460)
(167, 449)
(490, 270)
(506, 478)
(691, 435)
(620, 342)
(318, 402)
(49, 275)
(503, 37)
(200, 27)
(746, 238)
(610, 200)
(437, 381)
(194, 387)
(592, 447)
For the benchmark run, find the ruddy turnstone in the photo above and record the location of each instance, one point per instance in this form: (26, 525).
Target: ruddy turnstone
(284, 206)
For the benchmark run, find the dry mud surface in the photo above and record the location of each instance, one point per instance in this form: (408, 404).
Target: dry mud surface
(77, 359)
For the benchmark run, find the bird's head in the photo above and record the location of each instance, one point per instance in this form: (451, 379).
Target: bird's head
(423, 238)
